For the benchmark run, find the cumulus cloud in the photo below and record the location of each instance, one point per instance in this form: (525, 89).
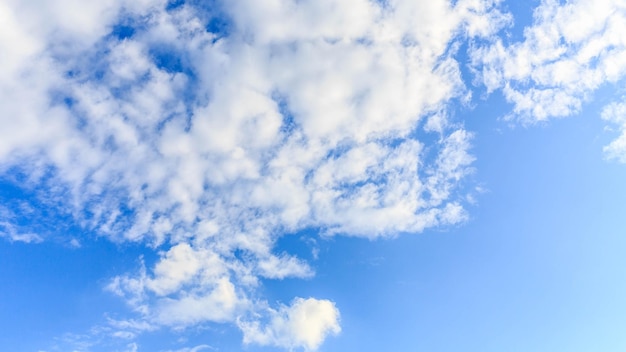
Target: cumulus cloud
(304, 323)
(147, 123)
(570, 50)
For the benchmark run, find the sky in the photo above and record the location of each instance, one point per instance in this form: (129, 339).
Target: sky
(282, 175)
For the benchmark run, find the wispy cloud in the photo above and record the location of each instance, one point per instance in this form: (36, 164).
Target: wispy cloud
(10, 232)
(14, 233)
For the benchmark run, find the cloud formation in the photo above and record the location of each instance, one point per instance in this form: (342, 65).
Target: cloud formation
(207, 133)
(571, 50)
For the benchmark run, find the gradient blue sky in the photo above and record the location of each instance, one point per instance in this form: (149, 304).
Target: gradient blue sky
(301, 175)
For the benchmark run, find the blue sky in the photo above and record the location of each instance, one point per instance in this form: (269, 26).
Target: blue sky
(312, 175)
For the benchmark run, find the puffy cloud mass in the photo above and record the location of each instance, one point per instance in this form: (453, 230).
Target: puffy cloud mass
(306, 322)
(207, 132)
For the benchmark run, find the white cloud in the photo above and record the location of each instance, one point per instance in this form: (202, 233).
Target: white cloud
(132, 347)
(303, 324)
(218, 305)
(209, 147)
(615, 113)
(74, 243)
(181, 264)
(14, 234)
(569, 51)
(284, 266)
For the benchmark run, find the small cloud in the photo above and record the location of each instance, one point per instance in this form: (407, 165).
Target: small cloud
(26, 238)
(315, 253)
(615, 114)
(304, 324)
(132, 347)
(74, 243)
(284, 266)
(126, 335)
(436, 123)
(9, 231)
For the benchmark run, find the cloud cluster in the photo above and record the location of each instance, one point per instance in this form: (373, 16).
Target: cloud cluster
(208, 133)
(570, 51)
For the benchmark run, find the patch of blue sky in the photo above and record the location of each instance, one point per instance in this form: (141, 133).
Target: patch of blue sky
(522, 17)
(220, 26)
(168, 59)
(174, 4)
(41, 205)
(312, 246)
(288, 124)
(217, 20)
(123, 31)
(25, 191)
(74, 298)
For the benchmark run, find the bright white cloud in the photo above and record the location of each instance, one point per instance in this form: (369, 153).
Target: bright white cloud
(207, 146)
(217, 305)
(305, 323)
